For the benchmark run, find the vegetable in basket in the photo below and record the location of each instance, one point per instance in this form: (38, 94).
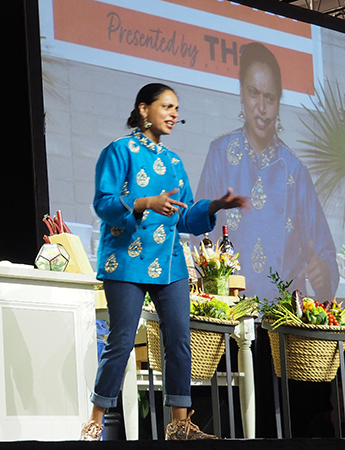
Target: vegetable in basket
(295, 309)
(210, 308)
(297, 303)
(206, 305)
(317, 316)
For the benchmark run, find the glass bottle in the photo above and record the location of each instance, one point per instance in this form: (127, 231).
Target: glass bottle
(208, 244)
(225, 244)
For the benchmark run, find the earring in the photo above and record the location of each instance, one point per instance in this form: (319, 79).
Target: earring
(241, 115)
(147, 124)
(280, 127)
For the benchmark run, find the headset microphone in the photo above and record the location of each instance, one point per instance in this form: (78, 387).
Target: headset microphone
(181, 121)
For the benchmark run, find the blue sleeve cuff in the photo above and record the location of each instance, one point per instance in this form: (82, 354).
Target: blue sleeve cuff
(131, 222)
(198, 219)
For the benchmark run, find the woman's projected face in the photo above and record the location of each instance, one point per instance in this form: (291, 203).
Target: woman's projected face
(260, 99)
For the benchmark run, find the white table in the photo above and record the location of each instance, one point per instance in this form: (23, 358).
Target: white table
(48, 353)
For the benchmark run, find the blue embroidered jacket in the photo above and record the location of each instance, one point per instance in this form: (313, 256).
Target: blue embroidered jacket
(145, 249)
(285, 213)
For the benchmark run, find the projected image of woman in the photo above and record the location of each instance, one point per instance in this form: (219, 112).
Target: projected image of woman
(286, 228)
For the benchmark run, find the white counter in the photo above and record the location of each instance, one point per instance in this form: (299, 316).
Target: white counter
(48, 353)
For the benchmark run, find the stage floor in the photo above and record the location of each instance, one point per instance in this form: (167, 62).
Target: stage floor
(222, 444)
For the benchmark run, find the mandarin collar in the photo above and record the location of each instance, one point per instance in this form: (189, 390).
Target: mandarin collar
(144, 140)
(267, 156)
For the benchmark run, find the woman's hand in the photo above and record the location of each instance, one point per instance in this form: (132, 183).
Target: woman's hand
(228, 201)
(318, 275)
(161, 204)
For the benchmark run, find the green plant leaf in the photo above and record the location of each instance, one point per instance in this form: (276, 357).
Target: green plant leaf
(326, 149)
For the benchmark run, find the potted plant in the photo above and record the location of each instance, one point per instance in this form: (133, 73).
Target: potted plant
(215, 267)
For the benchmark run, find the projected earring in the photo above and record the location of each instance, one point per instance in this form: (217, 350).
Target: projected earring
(241, 115)
(147, 124)
(280, 127)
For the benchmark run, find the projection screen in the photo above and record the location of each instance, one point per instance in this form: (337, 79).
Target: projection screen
(97, 55)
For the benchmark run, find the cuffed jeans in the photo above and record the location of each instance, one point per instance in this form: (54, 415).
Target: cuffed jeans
(125, 302)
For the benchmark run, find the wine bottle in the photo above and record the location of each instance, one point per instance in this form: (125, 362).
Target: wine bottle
(208, 244)
(225, 244)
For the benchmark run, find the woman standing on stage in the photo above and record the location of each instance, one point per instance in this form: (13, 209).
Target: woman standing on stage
(144, 199)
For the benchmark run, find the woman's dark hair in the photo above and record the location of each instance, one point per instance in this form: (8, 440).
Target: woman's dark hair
(147, 94)
(255, 52)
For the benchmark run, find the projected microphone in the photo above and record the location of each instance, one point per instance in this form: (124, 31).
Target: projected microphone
(181, 121)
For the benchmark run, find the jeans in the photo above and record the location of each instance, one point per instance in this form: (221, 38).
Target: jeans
(125, 302)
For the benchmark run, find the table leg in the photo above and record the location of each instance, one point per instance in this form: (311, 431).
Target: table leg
(153, 413)
(277, 403)
(215, 406)
(284, 387)
(244, 337)
(336, 407)
(229, 385)
(342, 374)
(130, 399)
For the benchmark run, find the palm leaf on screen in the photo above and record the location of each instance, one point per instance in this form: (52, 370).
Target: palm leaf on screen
(326, 149)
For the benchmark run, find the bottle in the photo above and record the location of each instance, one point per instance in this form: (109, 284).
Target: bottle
(207, 244)
(225, 244)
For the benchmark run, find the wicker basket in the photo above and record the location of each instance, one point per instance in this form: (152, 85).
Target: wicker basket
(307, 359)
(207, 349)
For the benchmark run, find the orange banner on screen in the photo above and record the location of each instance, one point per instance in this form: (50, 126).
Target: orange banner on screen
(247, 14)
(120, 30)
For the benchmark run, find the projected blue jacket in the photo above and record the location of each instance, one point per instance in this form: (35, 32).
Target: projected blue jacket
(147, 249)
(285, 212)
